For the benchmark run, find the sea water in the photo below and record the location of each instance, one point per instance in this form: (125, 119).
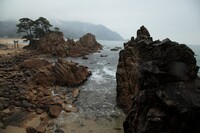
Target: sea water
(98, 112)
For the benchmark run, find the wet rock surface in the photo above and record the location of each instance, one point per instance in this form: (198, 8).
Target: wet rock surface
(157, 84)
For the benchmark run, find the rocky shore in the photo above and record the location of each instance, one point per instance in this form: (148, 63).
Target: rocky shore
(31, 84)
(158, 86)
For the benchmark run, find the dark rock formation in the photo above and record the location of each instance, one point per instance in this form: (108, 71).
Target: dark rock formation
(157, 83)
(62, 73)
(86, 45)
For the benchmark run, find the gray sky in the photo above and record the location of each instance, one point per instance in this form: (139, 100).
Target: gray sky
(178, 20)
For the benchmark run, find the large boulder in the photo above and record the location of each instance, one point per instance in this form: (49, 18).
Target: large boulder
(62, 73)
(157, 84)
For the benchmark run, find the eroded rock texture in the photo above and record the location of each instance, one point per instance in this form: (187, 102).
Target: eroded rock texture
(157, 83)
(62, 73)
(86, 45)
(55, 44)
(52, 43)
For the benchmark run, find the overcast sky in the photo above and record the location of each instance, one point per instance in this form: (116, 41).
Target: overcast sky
(178, 20)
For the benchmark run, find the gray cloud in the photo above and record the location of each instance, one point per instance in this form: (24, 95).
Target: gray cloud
(176, 19)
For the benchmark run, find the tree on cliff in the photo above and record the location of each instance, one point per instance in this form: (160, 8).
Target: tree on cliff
(26, 26)
(34, 29)
(41, 27)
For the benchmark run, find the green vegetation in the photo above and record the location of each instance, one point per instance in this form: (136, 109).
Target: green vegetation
(34, 29)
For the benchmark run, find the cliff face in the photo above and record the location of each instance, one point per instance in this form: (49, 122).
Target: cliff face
(157, 83)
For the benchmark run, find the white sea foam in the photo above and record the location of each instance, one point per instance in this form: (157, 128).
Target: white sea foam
(97, 76)
(109, 71)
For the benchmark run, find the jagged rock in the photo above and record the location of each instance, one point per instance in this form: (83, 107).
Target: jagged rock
(55, 111)
(157, 83)
(62, 73)
(52, 43)
(143, 35)
(69, 73)
(86, 45)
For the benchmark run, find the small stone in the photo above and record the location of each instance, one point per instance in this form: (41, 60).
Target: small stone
(47, 92)
(59, 102)
(75, 92)
(7, 111)
(41, 129)
(69, 108)
(55, 111)
(63, 96)
(40, 94)
(26, 104)
(74, 109)
(68, 101)
(59, 131)
(84, 58)
(39, 111)
(30, 130)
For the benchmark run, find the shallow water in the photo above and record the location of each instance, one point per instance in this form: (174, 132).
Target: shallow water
(98, 112)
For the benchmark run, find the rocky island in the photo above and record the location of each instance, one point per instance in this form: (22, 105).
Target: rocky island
(158, 86)
(55, 44)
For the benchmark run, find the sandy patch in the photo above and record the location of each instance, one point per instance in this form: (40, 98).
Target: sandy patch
(32, 122)
(9, 42)
(9, 49)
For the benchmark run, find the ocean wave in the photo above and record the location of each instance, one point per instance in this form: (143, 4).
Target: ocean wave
(109, 71)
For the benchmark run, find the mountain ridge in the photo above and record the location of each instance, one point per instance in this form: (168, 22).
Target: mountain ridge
(71, 29)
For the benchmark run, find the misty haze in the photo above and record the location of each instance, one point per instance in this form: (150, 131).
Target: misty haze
(108, 66)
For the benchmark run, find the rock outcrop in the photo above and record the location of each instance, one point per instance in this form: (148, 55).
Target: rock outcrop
(52, 43)
(55, 44)
(86, 45)
(157, 83)
(62, 73)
